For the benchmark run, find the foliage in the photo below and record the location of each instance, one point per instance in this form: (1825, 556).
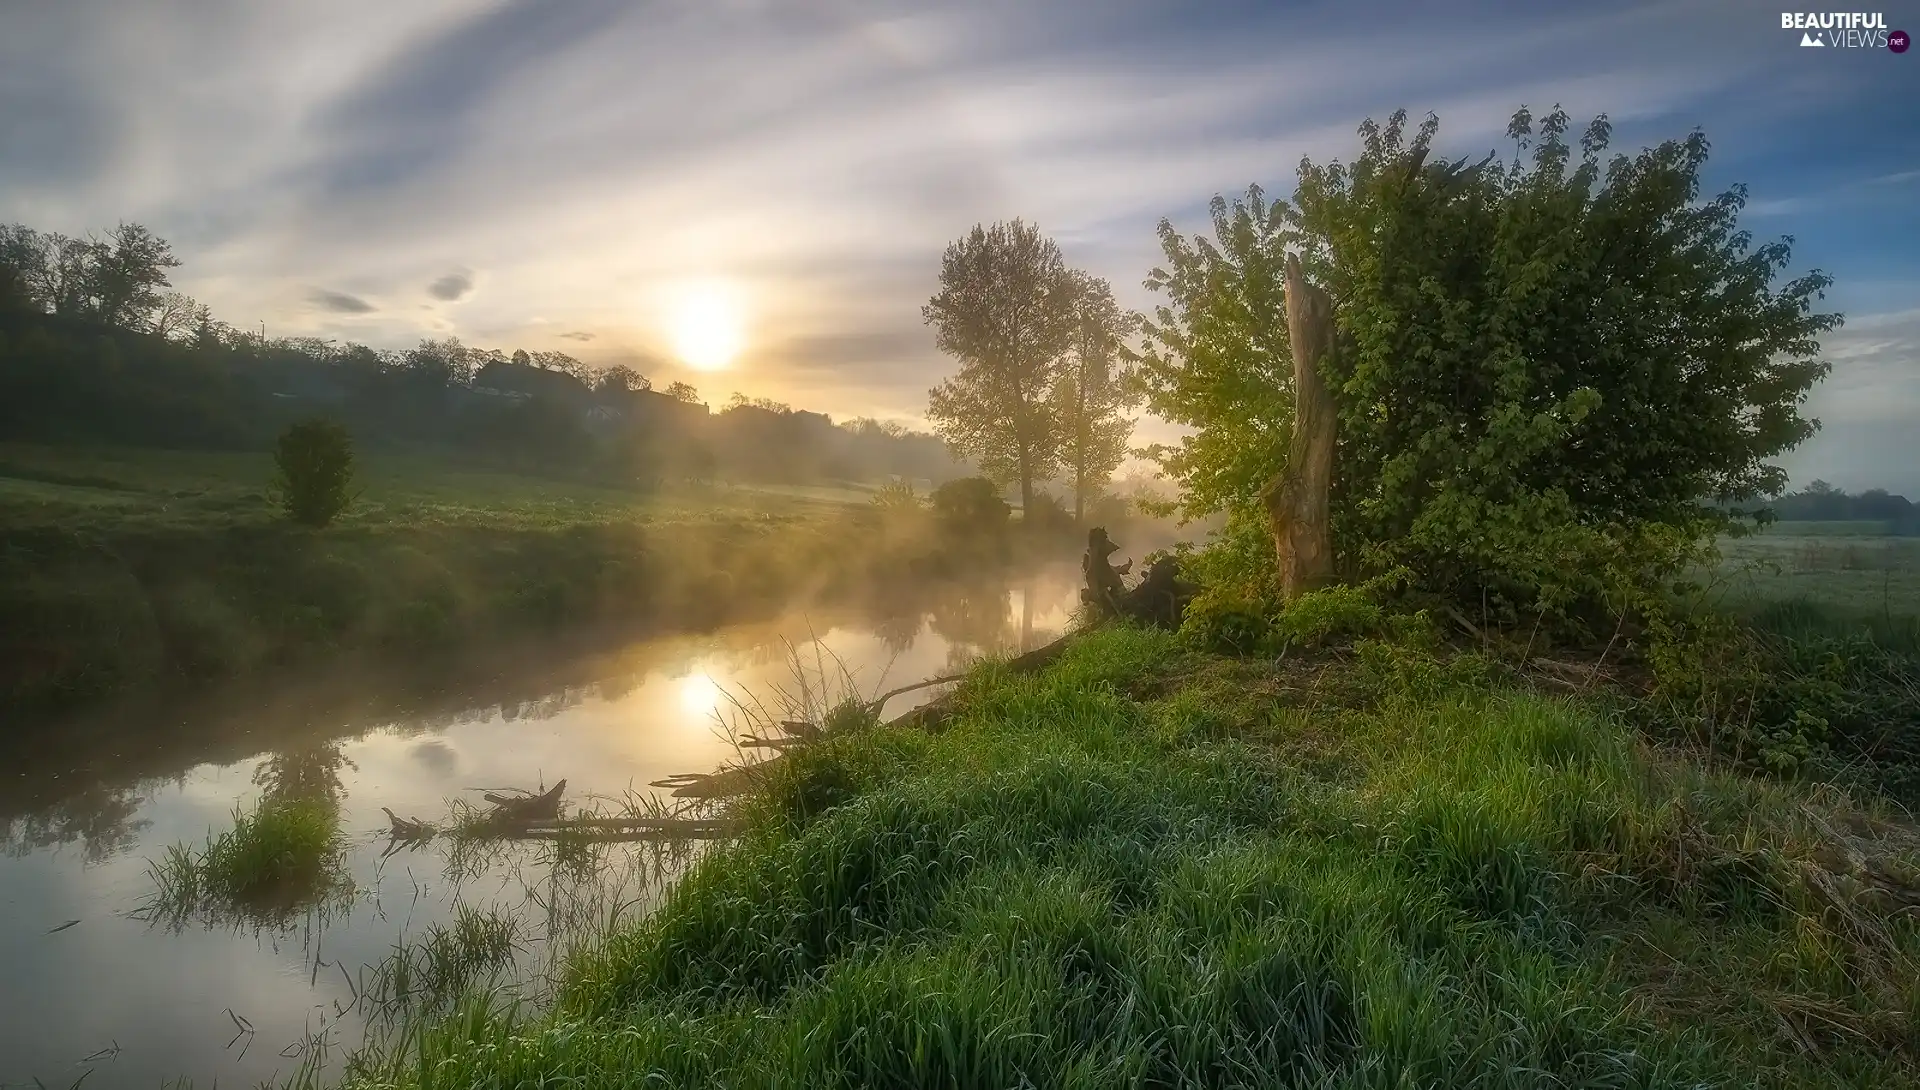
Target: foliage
(1225, 619)
(114, 281)
(1006, 310)
(313, 463)
(896, 497)
(1329, 614)
(1789, 694)
(1215, 356)
(1093, 392)
(971, 507)
(1541, 372)
(1047, 517)
(1822, 502)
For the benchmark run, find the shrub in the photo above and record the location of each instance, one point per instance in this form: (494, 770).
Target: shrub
(1048, 516)
(1225, 621)
(971, 506)
(313, 463)
(896, 497)
(1333, 613)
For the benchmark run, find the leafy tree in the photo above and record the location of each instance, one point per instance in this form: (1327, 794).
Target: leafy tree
(683, 392)
(622, 379)
(1543, 371)
(1093, 393)
(115, 281)
(129, 269)
(437, 364)
(1006, 311)
(176, 316)
(1215, 355)
(313, 463)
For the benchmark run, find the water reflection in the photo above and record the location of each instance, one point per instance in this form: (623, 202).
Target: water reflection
(123, 788)
(103, 820)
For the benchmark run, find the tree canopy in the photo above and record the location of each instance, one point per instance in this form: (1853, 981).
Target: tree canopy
(1540, 365)
(1006, 311)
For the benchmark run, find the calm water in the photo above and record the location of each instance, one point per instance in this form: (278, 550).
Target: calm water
(86, 806)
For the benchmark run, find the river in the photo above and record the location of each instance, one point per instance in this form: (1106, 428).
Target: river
(94, 988)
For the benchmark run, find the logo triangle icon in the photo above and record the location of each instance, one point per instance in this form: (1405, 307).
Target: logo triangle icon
(1810, 40)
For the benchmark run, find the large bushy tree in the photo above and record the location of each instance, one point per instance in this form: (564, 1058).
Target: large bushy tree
(116, 280)
(1541, 367)
(1006, 311)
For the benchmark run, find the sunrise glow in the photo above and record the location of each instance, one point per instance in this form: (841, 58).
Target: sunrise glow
(708, 326)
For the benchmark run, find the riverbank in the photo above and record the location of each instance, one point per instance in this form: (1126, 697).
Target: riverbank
(127, 570)
(1148, 865)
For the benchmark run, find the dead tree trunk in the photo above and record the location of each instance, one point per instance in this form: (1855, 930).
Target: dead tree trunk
(1297, 499)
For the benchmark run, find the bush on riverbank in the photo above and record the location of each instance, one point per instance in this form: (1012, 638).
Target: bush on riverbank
(1153, 866)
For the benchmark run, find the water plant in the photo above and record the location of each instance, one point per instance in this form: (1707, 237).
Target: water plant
(279, 858)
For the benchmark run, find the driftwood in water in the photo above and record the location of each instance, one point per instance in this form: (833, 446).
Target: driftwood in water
(1296, 500)
(408, 828)
(526, 807)
(589, 828)
(934, 714)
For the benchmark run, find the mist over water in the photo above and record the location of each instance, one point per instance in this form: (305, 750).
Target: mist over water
(85, 809)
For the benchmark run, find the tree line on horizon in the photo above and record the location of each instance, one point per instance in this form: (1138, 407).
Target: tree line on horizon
(96, 346)
(1820, 501)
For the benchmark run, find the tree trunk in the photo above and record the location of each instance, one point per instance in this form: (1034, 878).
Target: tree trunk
(1297, 499)
(1080, 449)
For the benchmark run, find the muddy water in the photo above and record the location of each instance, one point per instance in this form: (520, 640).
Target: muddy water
(220, 999)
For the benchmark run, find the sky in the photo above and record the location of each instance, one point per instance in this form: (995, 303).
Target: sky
(584, 175)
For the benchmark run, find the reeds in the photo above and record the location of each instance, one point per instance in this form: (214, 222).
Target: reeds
(280, 858)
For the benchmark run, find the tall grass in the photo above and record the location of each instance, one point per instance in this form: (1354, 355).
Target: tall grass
(1145, 867)
(280, 858)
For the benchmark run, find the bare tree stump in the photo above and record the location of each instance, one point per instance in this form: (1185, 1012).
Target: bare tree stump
(1297, 499)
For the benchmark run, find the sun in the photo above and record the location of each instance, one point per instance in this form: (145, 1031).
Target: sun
(708, 328)
(699, 695)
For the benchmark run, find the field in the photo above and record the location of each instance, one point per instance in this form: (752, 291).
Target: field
(1852, 569)
(122, 569)
(96, 488)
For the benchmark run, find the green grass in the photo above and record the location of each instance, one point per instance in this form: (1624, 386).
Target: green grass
(1149, 867)
(476, 947)
(1862, 572)
(81, 488)
(279, 859)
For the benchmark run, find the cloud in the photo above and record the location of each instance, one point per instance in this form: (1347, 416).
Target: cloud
(1866, 407)
(576, 335)
(436, 756)
(339, 302)
(452, 286)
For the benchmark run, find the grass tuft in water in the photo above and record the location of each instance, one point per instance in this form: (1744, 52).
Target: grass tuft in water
(282, 857)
